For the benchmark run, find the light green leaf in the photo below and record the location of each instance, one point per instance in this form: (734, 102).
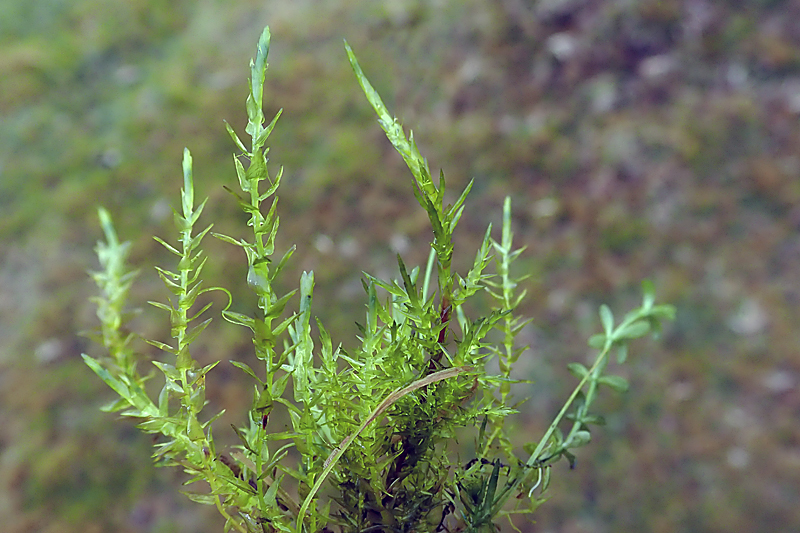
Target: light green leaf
(618, 383)
(249, 371)
(262, 137)
(118, 386)
(607, 318)
(649, 294)
(663, 312)
(243, 243)
(240, 319)
(192, 334)
(578, 439)
(205, 499)
(578, 370)
(235, 137)
(622, 353)
(597, 341)
(633, 331)
(162, 346)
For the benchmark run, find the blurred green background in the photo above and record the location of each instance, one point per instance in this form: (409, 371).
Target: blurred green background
(654, 139)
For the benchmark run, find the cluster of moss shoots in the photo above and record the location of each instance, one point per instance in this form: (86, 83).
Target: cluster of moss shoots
(371, 427)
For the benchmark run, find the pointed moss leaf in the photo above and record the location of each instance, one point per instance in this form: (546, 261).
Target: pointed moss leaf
(115, 405)
(244, 183)
(167, 246)
(272, 188)
(245, 488)
(439, 196)
(280, 328)
(455, 218)
(197, 400)
(206, 369)
(201, 311)
(161, 305)
(193, 429)
(262, 137)
(276, 309)
(435, 220)
(181, 223)
(108, 228)
(162, 346)
(280, 385)
(190, 296)
(157, 425)
(391, 288)
(461, 199)
(205, 499)
(243, 243)
(618, 383)
(195, 331)
(246, 369)
(256, 171)
(410, 286)
(495, 295)
(211, 421)
(372, 310)
(242, 438)
(118, 386)
(184, 358)
(546, 477)
(325, 341)
(185, 264)
(272, 491)
(240, 319)
(163, 401)
(282, 263)
(255, 115)
(195, 242)
(270, 227)
(172, 286)
(169, 370)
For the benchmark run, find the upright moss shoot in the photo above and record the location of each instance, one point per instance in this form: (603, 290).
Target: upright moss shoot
(373, 427)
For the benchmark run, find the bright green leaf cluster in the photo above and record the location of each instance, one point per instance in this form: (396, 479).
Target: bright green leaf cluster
(375, 425)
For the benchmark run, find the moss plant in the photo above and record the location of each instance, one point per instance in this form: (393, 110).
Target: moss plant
(372, 427)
